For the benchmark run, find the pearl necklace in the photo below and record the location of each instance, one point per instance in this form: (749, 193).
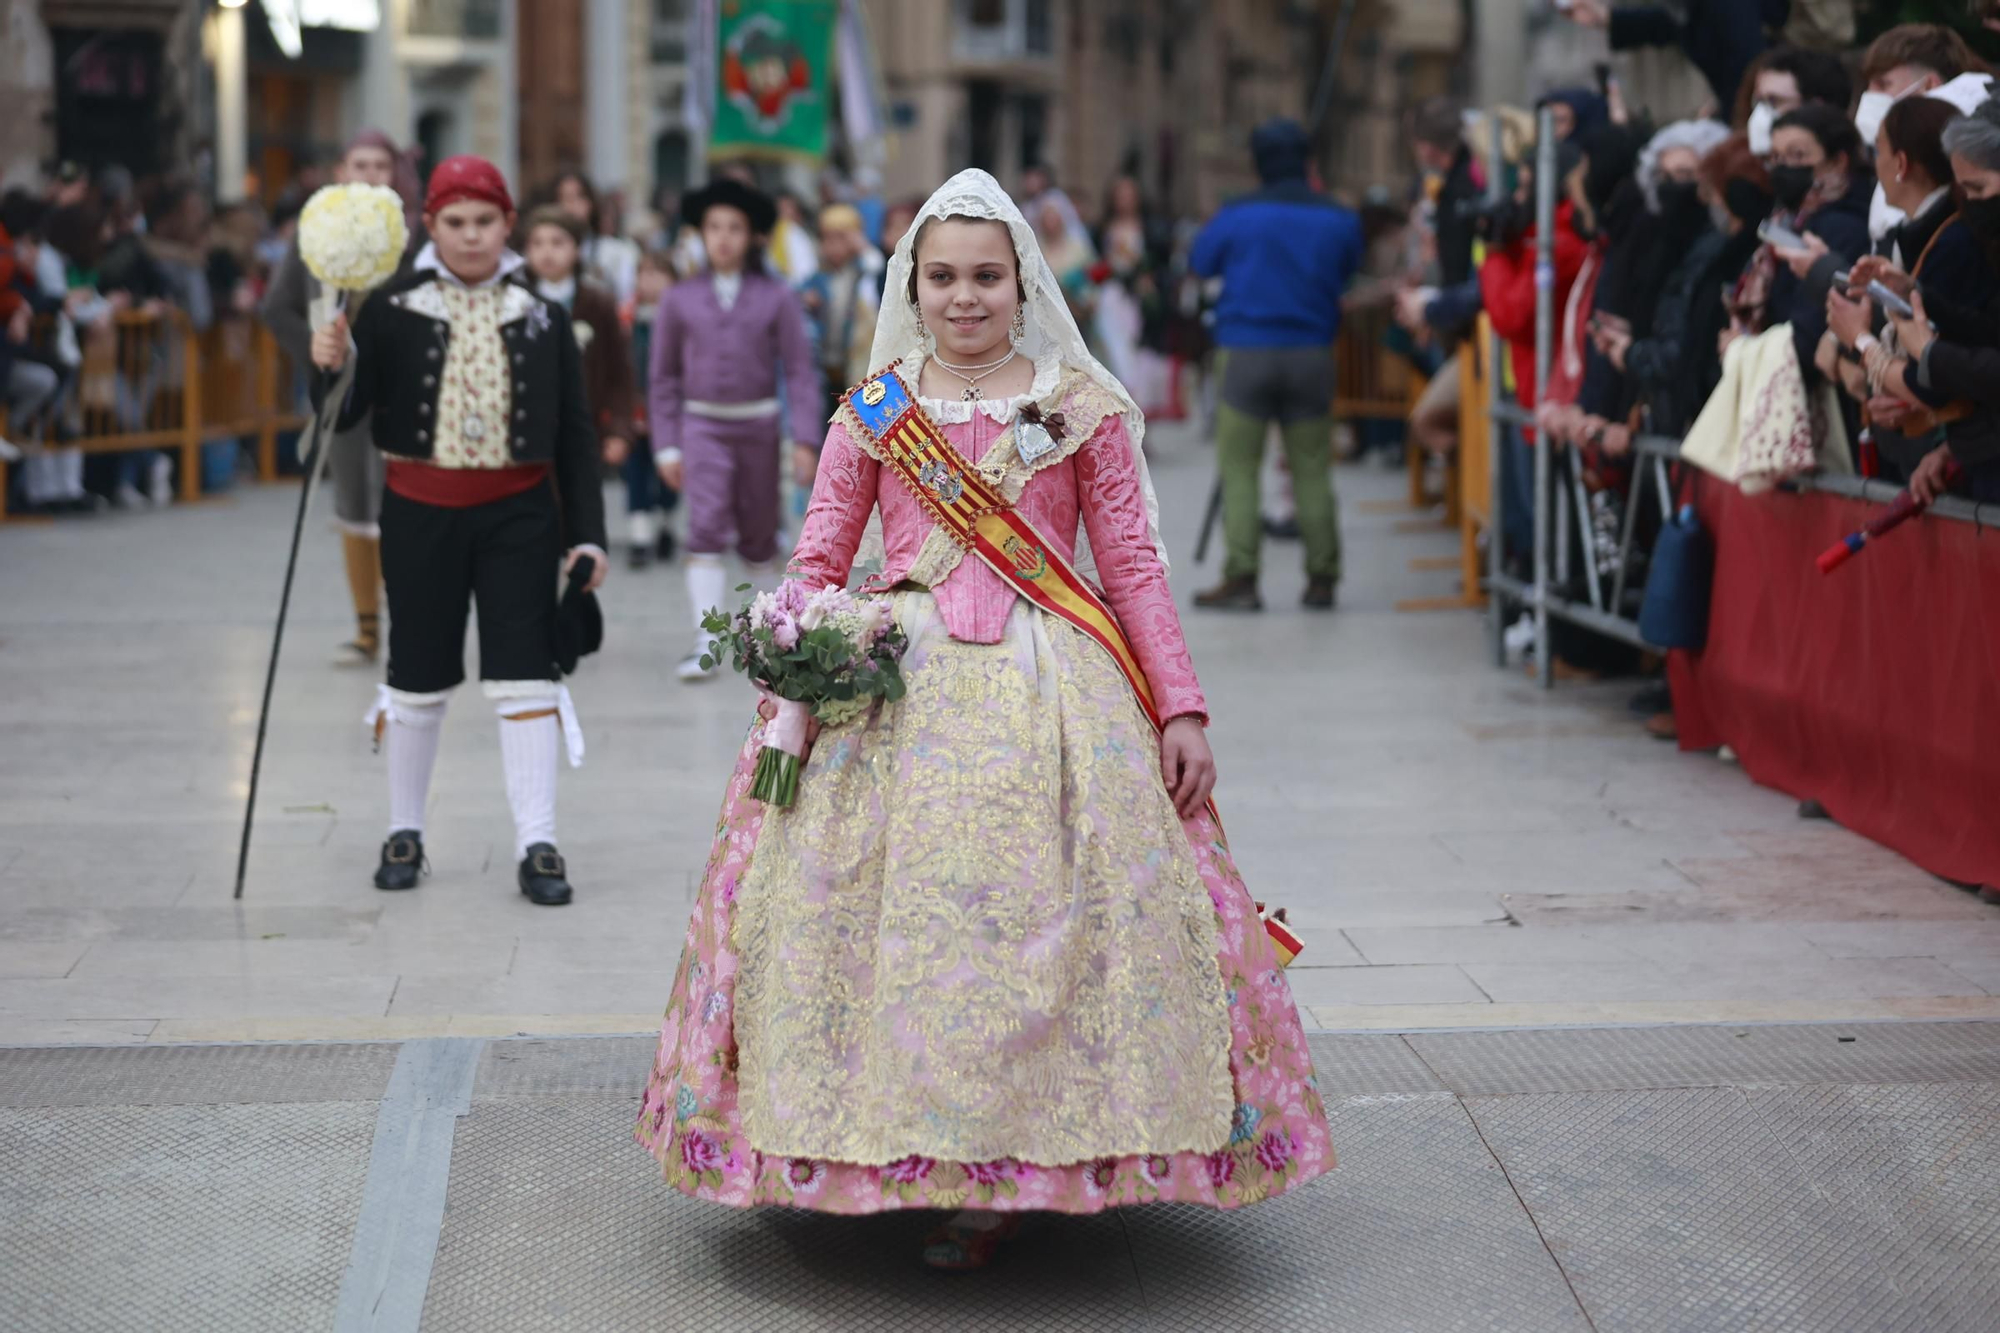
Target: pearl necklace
(972, 392)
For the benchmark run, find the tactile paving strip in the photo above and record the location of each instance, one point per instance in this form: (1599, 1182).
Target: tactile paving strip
(1921, 1162)
(556, 1220)
(1579, 1060)
(566, 1067)
(1418, 1230)
(207, 1219)
(1678, 1211)
(191, 1075)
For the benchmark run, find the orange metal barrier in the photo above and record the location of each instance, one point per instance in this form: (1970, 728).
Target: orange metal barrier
(150, 381)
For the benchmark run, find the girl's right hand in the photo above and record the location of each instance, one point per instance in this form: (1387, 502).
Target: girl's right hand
(329, 344)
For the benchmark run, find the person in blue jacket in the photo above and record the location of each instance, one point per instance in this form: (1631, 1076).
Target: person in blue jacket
(1285, 254)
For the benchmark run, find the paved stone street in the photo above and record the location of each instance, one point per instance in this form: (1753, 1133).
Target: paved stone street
(1457, 848)
(1705, 1087)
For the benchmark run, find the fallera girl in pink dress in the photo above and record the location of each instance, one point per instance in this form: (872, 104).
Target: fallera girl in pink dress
(997, 958)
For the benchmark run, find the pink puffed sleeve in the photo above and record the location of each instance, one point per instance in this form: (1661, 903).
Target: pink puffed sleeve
(1135, 582)
(843, 496)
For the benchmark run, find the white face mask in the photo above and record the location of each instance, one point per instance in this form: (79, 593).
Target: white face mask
(1762, 117)
(1874, 109)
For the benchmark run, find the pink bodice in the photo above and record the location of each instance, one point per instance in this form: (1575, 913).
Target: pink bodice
(1100, 479)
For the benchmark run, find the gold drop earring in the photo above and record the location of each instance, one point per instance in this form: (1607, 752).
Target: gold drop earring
(1017, 332)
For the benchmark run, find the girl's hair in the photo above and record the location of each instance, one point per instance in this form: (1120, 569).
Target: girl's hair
(1915, 127)
(549, 215)
(589, 194)
(1834, 132)
(917, 246)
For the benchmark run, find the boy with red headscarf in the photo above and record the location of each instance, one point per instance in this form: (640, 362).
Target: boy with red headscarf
(474, 390)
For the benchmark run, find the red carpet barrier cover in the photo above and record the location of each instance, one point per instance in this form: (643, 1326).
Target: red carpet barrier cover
(1875, 690)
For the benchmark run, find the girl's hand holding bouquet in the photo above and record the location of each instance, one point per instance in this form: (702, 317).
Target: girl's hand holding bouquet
(820, 657)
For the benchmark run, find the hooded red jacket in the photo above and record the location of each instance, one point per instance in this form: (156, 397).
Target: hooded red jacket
(1507, 286)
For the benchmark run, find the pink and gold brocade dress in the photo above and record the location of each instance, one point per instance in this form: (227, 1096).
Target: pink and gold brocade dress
(982, 962)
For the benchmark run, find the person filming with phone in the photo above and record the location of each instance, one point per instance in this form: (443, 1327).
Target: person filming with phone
(1914, 329)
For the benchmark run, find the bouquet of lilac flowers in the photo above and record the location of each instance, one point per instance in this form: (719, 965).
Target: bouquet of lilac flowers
(825, 655)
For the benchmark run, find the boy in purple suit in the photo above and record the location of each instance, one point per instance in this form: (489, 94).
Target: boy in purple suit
(720, 342)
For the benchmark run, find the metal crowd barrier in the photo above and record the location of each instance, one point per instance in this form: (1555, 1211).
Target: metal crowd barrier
(155, 382)
(1560, 496)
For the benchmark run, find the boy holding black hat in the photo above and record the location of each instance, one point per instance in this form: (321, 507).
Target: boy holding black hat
(476, 391)
(720, 342)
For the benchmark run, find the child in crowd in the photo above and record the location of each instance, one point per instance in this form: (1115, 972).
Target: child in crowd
(648, 500)
(28, 386)
(555, 250)
(476, 391)
(840, 301)
(721, 342)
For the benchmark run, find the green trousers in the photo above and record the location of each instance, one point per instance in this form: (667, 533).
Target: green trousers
(1239, 449)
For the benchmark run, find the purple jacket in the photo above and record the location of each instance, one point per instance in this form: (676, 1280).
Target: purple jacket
(709, 354)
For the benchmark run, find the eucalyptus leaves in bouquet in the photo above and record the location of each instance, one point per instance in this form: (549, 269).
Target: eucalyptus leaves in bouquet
(824, 655)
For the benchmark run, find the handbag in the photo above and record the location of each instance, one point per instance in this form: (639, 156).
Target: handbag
(1674, 613)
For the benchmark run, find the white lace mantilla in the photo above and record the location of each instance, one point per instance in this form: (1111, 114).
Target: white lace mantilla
(1051, 336)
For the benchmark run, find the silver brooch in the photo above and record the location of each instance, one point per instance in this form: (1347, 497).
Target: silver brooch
(538, 320)
(1031, 440)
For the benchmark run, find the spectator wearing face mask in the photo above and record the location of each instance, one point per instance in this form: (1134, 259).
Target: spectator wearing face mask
(1782, 80)
(1820, 187)
(1916, 59)
(1936, 250)
(1947, 352)
(1670, 219)
(1674, 367)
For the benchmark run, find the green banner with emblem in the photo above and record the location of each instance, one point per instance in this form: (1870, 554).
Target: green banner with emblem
(773, 78)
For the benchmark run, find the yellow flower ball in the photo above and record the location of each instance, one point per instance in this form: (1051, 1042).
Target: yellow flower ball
(352, 237)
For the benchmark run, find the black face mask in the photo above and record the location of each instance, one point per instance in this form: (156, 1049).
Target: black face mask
(1678, 198)
(1746, 203)
(1791, 185)
(1982, 219)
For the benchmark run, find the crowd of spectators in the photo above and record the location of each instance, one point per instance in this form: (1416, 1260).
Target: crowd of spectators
(1824, 233)
(96, 262)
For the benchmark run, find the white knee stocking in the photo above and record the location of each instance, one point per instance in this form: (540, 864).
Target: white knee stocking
(536, 718)
(528, 752)
(707, 582)
(411, 726)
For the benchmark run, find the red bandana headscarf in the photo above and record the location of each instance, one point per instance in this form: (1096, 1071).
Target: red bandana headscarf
(467, 177)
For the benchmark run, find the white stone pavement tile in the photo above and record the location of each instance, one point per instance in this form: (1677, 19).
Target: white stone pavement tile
(52, 958)
(382, 954)
(1905, 939)
(576, 992)
(18, 1031)
(193, 997)
(246, 921)
(1499, 943)
(1828, 979)
(1982, 970)
(1704, 942)
(1381, 985)
(1339, 907)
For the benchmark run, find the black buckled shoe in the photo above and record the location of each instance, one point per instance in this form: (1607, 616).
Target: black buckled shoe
(403, 862)
(544, 877)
